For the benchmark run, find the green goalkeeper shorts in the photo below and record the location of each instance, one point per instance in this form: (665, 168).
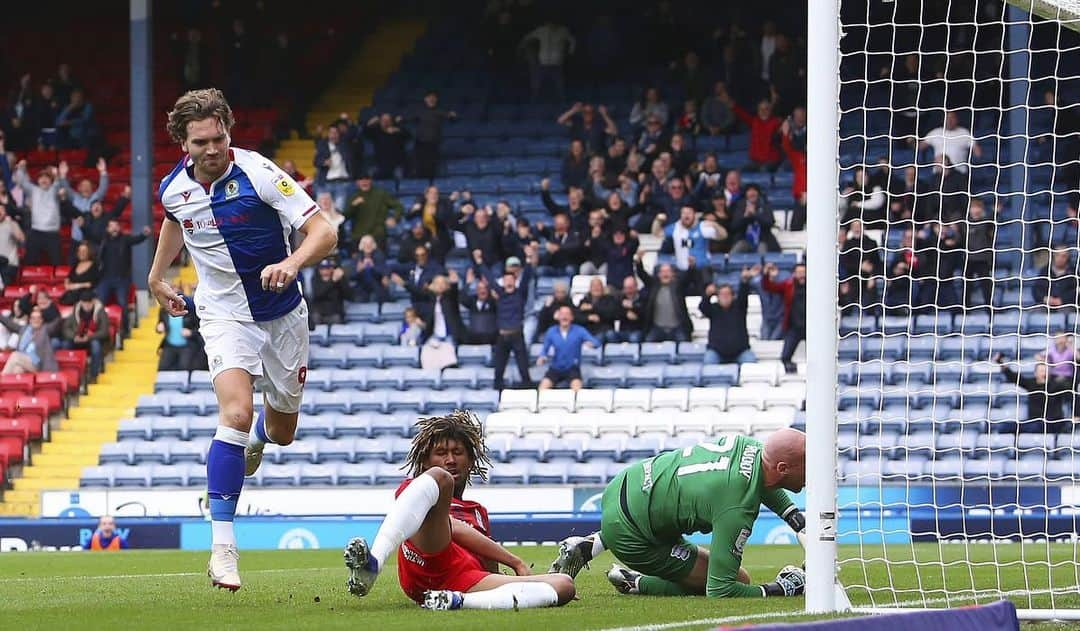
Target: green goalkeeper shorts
(624, 531)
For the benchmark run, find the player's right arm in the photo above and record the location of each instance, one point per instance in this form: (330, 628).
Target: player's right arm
(476, 542)
(170, 241)
(730, 532)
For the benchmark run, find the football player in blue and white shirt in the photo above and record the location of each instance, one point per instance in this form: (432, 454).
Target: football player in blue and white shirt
(235, 211)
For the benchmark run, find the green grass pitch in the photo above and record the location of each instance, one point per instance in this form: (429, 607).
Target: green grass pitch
(304, 589)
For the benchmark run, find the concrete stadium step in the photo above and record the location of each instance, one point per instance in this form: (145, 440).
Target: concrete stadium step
(48, 484)
(50, 470)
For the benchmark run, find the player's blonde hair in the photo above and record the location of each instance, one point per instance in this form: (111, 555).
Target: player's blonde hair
(197, 105)
(460, 425)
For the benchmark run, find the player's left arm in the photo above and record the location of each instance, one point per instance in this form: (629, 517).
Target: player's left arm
(281, 192)
(476, 542)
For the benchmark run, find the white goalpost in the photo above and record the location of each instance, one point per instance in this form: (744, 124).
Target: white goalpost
(943, 247)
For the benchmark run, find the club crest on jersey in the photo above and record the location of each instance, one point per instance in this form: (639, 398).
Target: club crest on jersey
(284, 185)
(232, 189)
(185, 195)
(189, 226)
(740, 542)
(680, 551)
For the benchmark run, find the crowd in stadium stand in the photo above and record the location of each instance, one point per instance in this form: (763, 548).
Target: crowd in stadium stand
(621, 176)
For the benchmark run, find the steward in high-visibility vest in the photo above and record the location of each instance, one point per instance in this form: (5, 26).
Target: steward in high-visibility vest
(106, 536)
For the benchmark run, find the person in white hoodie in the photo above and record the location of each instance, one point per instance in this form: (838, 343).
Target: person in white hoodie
(43, 242)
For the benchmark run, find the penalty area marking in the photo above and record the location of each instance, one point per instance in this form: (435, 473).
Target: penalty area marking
(28, 579)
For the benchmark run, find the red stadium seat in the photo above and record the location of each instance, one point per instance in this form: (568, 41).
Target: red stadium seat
(51, 382)
(74, 359)
(7, 404)
(52, 397)
(33, 406)
(4, 355)
(15, 291)
(35, 274)
(60, 272)
(23, 383)
(115, 314)
(14, 441)
(73, 379)
(36, 429)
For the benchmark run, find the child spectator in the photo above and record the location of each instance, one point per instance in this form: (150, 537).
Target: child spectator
(412, 329)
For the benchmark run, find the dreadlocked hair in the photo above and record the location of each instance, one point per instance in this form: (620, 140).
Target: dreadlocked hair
(460, 425)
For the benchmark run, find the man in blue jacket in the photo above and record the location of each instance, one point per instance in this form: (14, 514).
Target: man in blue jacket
(511, 298)
(566, 340)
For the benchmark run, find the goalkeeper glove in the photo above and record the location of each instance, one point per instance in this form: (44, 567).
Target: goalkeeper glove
(789, 582)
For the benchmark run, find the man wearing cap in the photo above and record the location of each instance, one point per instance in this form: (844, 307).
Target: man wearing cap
(511, 298)
(87, 328)
(372, 210)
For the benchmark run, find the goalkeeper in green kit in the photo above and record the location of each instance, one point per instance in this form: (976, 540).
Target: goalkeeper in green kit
(715, 487)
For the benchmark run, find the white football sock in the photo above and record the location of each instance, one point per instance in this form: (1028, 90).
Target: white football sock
(597, 545)
(221, 532)
(524, 595)
(405, 517)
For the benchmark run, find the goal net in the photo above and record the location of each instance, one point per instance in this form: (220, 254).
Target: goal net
(958, 243)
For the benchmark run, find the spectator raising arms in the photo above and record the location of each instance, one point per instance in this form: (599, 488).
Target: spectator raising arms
(563, 344)
(666, 318)
(388, 141)
(329, 291)
(43, 242)
(585, 126)
(729, 340)
(764, 153)
(511, 297)
(427, 124)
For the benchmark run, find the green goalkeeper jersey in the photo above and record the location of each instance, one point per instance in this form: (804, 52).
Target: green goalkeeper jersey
(716, 488)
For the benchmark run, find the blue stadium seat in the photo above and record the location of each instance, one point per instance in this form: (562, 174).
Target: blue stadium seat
(320, 335)
(131, 476)
(300, 451)
(351, 425)
(419, 378)
(691, 352)
(463, 377)
(370, 402)
(188, 452)
(199, 380)
(334, 450)
(97, 476)
(399, 449)
(347, 334)
(685, 375)
(153, 405)
(912, 372)
(480, 401)
(509, 473)
(348, 379)
(407, 401)
(327, 402)
(563, 448)
(384, 378)
(645, 377)
(640, 447)
(201, 427)
(135, 429)
(528, 447)
(474, 355)
(278, 475)
(364, 357)
(171, 381)
(719, 375)
(621, 353)
(936, 324)
(443, 401)
(404, 356)
(332, 357)
(116, 453)
(361, 312)
(548, 473)
(174, 427)
(386, 333)
(362, 473)
(373, 449)
(604, 376)
(318, 475)
(587, 473)
(387, 473)
(659, 352)
(973, 323)
(604, 447)
(166, 475)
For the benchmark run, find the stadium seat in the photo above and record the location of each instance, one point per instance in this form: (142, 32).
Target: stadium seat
(645, 376)
(419, 378)
(438, 402)
(135, 429)
(661, 352)
(691, 352)
(719, 375)
(474, 355)
(99, 476)
(199, 381)
(188, 452)
(629, 400)
(333, 357)
(413, 401)
(685, 375)
(363, 357)
(334, 450)
(169, 381)
(370, 402)
(587, 473)
(759, 372)
(714, 399)
(404, 356)
(300, 451)
(509, 473)
(116, 453)
(518, 400)
(548, 473)
(620, 353)
(356, 474)
(599, 400)
(459, 377)
(347, 379)
(503, 423)
(604, 376)
(669, 400)
(480, 401)
(555, 399)
(131, 476)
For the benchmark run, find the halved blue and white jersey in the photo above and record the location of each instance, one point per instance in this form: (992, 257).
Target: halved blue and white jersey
(233, 228)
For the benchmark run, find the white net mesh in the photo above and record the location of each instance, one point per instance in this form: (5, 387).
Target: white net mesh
(959, 149)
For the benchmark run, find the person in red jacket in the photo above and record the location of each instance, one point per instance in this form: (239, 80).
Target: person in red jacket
(764, 152)
(797, 159)
(793, 291)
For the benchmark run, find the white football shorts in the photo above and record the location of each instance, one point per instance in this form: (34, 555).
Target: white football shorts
(274, 352)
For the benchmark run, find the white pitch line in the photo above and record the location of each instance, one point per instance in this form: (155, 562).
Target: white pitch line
(28, 579)
(708, 621)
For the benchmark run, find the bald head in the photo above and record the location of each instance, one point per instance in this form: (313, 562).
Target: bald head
(784, 459)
